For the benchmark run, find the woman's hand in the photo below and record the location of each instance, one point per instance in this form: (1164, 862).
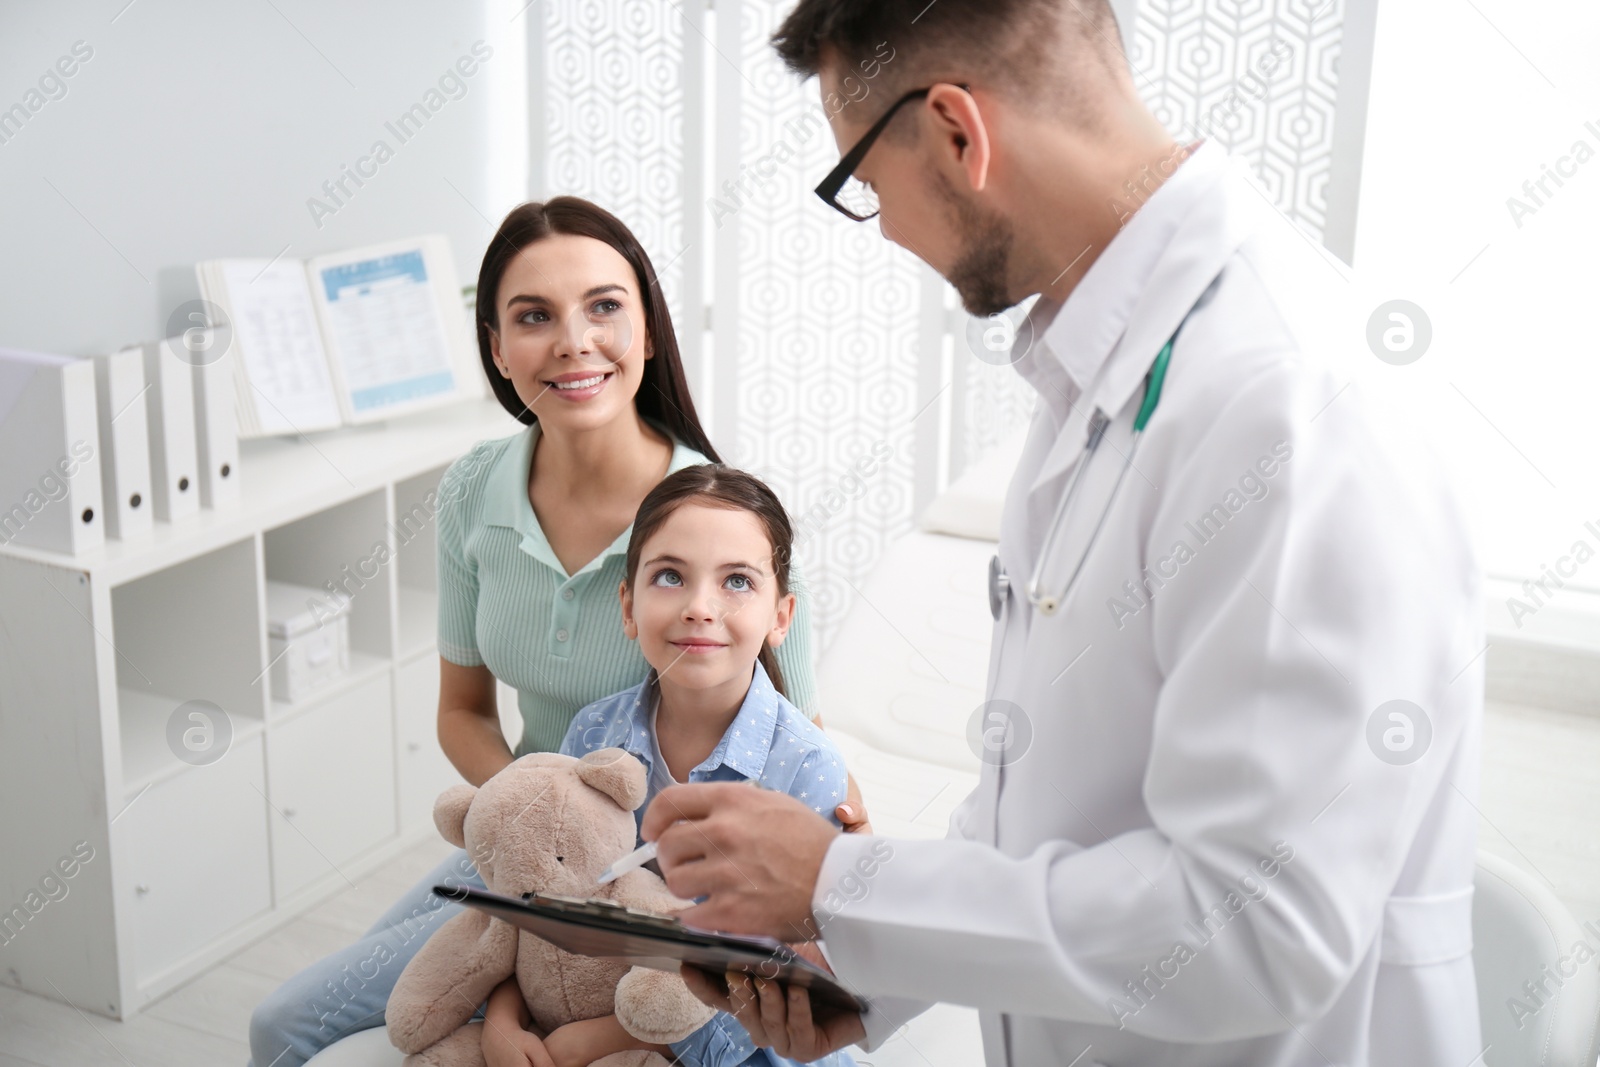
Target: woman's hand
(581, 1043)
(852, 813)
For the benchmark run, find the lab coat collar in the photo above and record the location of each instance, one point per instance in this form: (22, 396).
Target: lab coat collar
(506, 499)
(1082, 332)
(1106, 334)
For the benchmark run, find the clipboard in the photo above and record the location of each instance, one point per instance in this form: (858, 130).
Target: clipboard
(605, 929)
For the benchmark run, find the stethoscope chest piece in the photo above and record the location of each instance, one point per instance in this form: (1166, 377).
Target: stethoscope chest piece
(999, 586)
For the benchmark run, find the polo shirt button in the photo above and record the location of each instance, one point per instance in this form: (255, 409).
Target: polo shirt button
(566, 594)
(561, 635)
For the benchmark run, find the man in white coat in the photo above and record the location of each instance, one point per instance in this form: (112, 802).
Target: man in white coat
(1230, 818)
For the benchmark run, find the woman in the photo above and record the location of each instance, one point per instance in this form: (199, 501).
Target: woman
(577, 343)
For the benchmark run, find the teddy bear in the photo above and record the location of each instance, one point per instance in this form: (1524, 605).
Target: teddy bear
(547, 823)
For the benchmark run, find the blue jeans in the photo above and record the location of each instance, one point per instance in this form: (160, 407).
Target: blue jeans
(347, 990)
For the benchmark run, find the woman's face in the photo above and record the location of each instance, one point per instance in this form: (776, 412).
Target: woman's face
(571, 331)
(705, 597)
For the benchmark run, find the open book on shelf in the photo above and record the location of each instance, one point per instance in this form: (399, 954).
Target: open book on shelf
(342, 339)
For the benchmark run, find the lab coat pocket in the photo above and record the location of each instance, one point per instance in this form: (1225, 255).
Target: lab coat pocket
(1422, 930)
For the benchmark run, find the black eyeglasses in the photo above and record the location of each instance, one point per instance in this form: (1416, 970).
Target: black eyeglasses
(841, 189)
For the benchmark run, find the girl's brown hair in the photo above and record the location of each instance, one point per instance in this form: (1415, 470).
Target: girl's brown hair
(720, 486)
(664, 393)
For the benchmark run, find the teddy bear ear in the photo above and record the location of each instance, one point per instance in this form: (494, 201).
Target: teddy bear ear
(616, 773)
(450, 813)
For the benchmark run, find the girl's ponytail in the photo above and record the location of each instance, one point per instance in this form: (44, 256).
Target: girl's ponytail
(768, 657)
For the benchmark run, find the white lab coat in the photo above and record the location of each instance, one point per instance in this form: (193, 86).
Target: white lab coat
(1218, 730)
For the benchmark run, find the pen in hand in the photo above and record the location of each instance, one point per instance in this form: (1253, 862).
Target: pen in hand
(643, 854)
(632, 861)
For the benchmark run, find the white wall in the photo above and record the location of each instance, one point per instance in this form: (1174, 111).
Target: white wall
(1468, 103)
(198, 130)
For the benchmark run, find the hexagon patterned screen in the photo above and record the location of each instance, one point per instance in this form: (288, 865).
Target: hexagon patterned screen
(1281, 83)
(840, 368)
(822, 352)
(612, 112)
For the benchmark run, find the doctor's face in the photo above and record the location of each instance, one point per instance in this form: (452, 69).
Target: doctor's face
(571, 332)
(705, 598)
(925, 203)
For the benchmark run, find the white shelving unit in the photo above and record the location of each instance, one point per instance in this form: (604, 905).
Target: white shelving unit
(199, 843)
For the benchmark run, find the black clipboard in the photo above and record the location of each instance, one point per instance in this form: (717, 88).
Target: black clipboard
(608, 930)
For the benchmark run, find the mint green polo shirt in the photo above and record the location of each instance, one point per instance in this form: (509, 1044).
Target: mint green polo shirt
(505, 600)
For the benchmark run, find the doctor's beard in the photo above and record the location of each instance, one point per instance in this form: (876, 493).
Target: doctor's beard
(979, 272)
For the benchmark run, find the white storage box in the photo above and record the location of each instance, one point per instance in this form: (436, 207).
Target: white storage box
(308, 639)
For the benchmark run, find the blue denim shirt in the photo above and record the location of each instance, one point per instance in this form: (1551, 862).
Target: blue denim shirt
(770, 742)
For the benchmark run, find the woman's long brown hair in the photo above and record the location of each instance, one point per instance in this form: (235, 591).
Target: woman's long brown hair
(720, 486)
(664, 393)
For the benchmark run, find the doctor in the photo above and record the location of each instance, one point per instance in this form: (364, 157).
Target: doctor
(1227, 810)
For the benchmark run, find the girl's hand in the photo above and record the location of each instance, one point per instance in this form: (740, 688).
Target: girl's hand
(508, 1046)
(581, 1043)
(505, 1040)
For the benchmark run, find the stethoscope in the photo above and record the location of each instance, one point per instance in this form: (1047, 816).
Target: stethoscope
(999, 581)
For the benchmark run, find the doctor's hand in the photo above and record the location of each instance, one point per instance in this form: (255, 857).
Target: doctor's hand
(753, 853)
(778, 1017)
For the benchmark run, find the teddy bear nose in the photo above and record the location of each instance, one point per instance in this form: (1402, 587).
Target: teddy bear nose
(558, 859)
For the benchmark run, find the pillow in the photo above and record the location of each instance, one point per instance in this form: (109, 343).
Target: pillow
(907, 667)
(971, 505)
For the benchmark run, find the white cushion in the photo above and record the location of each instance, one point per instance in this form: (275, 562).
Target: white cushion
(943, 1036)
(906, 671)
(971, 506)
(904, 797)
(1522, 932)
(366, 1048)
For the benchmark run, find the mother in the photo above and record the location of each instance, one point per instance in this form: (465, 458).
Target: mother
(533, 528)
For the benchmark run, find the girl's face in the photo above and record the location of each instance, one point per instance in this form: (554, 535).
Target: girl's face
(705, 597)
(570, 314)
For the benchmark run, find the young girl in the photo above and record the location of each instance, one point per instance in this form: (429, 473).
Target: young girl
(706, 596)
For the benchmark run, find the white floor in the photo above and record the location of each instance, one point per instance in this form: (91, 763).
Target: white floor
(1540, 799)
(1541, 790)
(206, 1022)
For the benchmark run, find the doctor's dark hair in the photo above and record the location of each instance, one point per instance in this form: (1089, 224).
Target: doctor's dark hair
(717, 485)
(1033, 51)
(664, 391)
